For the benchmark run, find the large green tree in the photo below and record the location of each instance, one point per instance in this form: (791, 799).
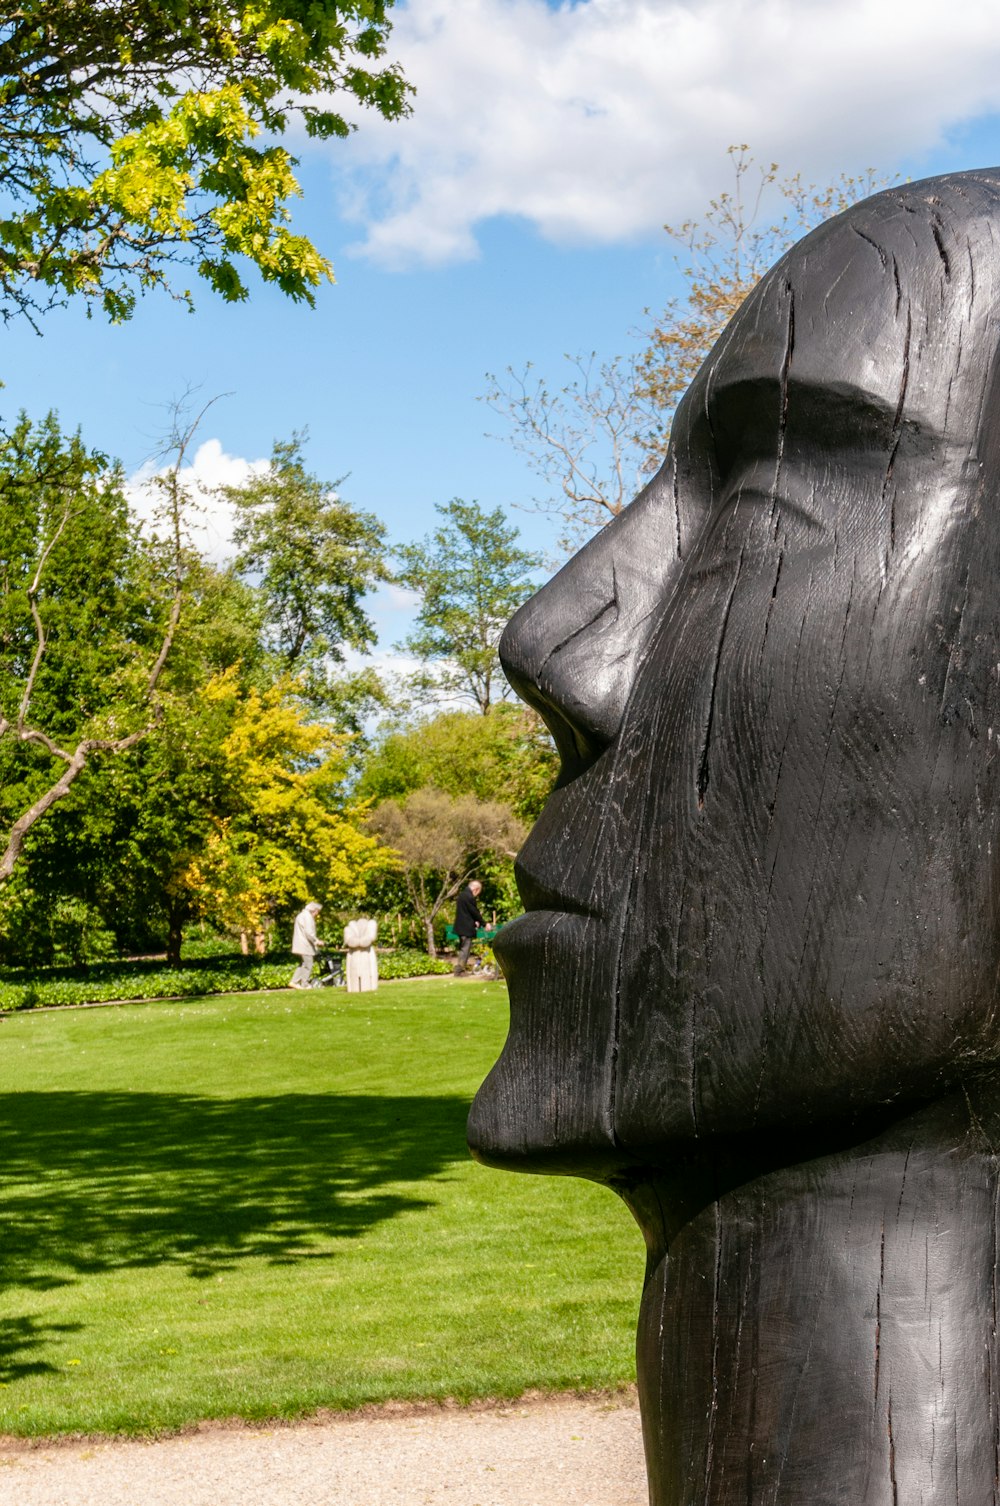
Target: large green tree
(89, 607)
(312, 559)
(127, 832)
(471, 575)
(141, 135)
(506, 755)
(108, 638)
(232, 808)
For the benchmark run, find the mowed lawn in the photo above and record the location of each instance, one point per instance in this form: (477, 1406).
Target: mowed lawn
(261, 1204)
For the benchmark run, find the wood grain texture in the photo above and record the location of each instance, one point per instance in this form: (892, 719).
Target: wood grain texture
(756, 987)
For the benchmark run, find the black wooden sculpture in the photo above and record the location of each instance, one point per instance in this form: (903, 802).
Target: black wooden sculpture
(757, 987)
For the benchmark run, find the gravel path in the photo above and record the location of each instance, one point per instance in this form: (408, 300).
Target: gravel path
(563, 1451)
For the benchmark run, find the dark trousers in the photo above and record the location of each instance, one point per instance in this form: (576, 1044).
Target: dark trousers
(464, 948)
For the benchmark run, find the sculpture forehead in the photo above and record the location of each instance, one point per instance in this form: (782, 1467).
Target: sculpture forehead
(892, 304)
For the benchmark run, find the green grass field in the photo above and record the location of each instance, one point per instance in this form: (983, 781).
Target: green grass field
(257, 1205)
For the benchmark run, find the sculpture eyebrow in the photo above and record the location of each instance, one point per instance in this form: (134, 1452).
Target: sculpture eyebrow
(842, 412)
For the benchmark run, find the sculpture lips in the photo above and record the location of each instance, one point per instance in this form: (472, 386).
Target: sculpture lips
(534, 927)
(537, 894)
(530, 1113)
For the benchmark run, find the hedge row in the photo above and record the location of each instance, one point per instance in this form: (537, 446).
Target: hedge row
(404, 962)
(108, 982)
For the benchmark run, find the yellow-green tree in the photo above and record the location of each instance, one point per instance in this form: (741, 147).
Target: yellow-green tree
(144, 134)
(286, 832)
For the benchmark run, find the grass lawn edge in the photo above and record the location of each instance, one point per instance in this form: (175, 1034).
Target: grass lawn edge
(535, 1398)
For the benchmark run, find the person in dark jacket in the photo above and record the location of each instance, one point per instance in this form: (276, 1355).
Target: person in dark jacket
(467, 922)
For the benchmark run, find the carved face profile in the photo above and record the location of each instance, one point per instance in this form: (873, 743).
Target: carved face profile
(766, 889)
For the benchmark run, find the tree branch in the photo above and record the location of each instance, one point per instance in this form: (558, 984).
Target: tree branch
(40, 639)
(76, 760)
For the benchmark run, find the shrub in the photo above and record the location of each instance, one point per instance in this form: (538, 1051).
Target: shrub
(201, 941)
(407, 962)
(36, 930)
(140, 982)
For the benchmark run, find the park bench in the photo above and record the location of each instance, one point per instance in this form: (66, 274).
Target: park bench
(485, 934)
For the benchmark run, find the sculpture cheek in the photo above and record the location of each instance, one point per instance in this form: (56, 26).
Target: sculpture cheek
(811, 914)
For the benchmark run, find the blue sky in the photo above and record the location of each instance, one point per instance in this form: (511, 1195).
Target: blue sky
(516, 216)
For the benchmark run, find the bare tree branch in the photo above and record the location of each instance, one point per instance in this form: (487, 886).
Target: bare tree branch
(40, 639)
(582, 439)
(76, 760)
(595, 439)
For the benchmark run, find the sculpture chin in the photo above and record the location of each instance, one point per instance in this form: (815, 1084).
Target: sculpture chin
(530, 1114)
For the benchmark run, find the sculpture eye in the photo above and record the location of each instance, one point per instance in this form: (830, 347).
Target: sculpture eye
(786, 489)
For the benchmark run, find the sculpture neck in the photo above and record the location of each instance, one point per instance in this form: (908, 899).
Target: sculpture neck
(826, 1332)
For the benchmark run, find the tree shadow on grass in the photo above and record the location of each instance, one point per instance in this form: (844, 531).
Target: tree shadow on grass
(93, 1182)
(20, 1339)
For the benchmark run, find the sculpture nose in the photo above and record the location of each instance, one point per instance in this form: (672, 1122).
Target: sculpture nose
(552, 661)
(573, 650)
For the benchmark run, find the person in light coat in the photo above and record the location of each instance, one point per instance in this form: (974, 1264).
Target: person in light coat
(305, 944)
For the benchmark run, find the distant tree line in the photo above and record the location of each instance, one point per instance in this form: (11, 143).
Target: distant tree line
(231, 769)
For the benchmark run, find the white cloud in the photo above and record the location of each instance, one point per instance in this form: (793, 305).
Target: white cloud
(394, 609)
(395, 598)
(597, 121)
(210, 518)
(390, 663)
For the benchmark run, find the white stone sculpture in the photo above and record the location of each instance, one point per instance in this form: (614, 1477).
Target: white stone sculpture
(362, 962)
